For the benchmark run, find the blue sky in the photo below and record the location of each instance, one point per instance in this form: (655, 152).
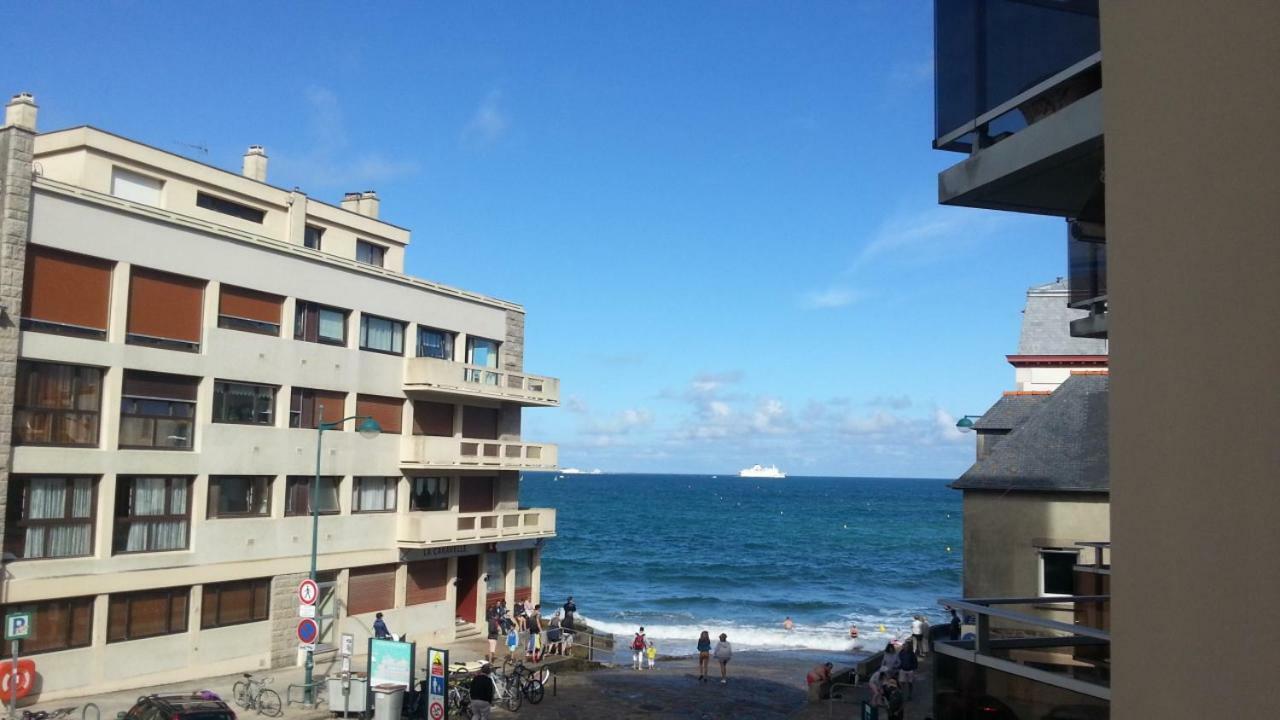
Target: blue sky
(720, 217)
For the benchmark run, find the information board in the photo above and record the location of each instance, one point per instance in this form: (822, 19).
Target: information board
(390, 662)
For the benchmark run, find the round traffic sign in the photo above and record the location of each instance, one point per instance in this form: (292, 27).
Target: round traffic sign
(437, 710)
(308, 631)
(308, 592)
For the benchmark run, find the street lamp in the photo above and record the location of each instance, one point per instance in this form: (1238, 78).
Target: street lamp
(368, 428)
(965, 423)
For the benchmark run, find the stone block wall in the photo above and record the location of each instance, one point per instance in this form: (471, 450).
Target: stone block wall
(513, 344)
(284, 619)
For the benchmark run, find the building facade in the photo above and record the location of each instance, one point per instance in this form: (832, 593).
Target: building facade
(176, 336)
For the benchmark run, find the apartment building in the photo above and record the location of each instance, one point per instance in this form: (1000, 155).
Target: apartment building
(1150, 129)
(175, 337)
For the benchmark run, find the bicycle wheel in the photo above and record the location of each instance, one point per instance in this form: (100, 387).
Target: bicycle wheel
(534, 690)
(269, 703)
(514, 696)
(240, 693)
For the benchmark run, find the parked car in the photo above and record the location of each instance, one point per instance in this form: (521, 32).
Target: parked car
(191, 706)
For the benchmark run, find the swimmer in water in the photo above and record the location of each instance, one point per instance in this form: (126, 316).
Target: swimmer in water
(788, 625)
(853, 632)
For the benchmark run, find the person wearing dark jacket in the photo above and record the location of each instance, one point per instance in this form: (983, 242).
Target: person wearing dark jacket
(907, 665)
(955, 626)
(482, 691)
(569, 609)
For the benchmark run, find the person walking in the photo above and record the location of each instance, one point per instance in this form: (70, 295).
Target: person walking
(638, 645)
(724, 653)
(533, 649)
(652, 653)
(380, 630)
(569, 610)
(495, 632)
(704, 655)
(907, 665)
(482, 691)
(955, 625)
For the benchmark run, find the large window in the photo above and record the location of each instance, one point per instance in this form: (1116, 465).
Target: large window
(235, 603)
(229, 207)
(305, 406)
(312, 237)
(429, 493)
(1057, 572)
(243, 403)
(375, 494)
(482, 352)
(370, 254)
(435, 343)
(428, 581)
(50, 516)
(388, 412)
(60, 624)
(249, 310)
(381, 335)
(320, 323)
(137, 615)
(157, 411)
(165, 310)
(152, 513)
(65, 293)
(239, 496)
(56, 404)
(371, 589)
(298, 495)
(135, 187)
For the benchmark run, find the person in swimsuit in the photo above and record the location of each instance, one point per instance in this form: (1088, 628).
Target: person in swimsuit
(704, 655)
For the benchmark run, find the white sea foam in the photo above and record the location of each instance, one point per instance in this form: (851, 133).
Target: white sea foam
(681, 639)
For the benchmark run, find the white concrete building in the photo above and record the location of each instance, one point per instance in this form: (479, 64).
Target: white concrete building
(173, 333)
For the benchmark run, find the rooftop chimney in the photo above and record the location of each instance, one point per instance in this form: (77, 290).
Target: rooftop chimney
(255, 163)
(351, 201)
(21, 112)
(365, 203)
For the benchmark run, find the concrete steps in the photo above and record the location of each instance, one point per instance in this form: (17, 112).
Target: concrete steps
(466, 631)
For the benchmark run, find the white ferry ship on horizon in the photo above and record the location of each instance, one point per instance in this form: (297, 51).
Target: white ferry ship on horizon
(760, 471)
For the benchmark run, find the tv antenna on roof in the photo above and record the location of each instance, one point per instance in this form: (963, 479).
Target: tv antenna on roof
(204, 149)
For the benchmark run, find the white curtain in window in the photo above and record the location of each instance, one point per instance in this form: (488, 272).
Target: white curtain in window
(331, 324)
(378, 333)
(47, 498)
(149, 499)
(327, 497)
(373, 493)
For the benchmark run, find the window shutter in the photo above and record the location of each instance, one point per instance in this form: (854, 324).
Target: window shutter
(386, 411)
(160, 385)
(371, 589)
(249, 304)
(135, 187)
(475, 494)
(62, 287)
(164, 305)
(480, 423)
(433, 418)
(428, 582)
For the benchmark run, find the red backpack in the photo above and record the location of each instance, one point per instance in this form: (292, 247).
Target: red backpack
(638, 643)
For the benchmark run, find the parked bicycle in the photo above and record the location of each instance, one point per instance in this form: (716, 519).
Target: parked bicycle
(526, 680)
(253, 694)
(458, 700)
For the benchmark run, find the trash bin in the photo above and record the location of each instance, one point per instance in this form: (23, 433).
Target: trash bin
(356, 699)
(388, 699)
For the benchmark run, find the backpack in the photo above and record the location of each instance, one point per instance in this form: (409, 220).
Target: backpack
(638, 643)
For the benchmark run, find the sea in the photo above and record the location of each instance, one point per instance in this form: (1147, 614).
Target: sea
(678, 554)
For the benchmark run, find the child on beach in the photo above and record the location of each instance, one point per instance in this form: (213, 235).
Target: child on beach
(513, 641)
(652, 652)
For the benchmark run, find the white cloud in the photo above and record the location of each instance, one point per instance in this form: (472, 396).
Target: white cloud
(489, 123)
(946, 425)
(893, 402)
(833, 297)
(929, 235)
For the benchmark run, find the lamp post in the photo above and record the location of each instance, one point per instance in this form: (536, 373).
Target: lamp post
(965, 424)
(368, 428)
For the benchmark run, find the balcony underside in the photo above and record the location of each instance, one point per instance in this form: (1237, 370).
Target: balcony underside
(1048, 168)
(463, 393)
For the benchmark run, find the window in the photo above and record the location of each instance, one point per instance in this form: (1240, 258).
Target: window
(229, 207)
(434, 343)
(428, 581)
(235, 603)
(381, 335)
(60, 624)
(152, 513)
(298, 495)
(1057, 572)
(482, 352)
(475, 494)
(388, 412)
(137, 615)
(65, 293)
(495, 582)
(433, 418)
(320, 323)
(249, 310)
(311, 237)
(157, 411)
(429, 493)
(135, 187)
(50, 517)
(371, 589)
(481, 423)
(305, 405)
(165, 310)
(56, 404)
(375, 494)
(370, 254)
(243, 403)
(239, 496)
(524, 569)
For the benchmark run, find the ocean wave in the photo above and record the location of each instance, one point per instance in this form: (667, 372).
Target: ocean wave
(679, 639)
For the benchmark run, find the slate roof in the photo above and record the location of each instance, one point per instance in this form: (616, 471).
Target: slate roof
(1009, 412)
(1046, 324)
(1060, 446)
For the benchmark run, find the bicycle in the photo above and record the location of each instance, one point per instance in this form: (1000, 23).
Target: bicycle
(529, 682)
(458, 700)
(506, 691)
(253, 693)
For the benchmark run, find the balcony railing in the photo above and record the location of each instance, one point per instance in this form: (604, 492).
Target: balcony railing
(996, 57)
(465, 453)
(433, 374)
(424, 529)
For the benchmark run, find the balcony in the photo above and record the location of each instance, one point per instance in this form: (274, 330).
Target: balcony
(474, 381)
(431, 529)
(452, 453)
(1087, 278)
(1018, 86)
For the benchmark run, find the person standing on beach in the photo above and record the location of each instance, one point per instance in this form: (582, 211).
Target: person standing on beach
(917, 629)
(955, 625)
(652, 653)
(569, 609)
(724, 653)
(638, 645)
(704, 655)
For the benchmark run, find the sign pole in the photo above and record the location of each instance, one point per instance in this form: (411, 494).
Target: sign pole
(13, 679)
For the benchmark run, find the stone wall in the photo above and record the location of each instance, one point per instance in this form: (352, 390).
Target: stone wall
(513, 344)
(284, 619)
(16, 145)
